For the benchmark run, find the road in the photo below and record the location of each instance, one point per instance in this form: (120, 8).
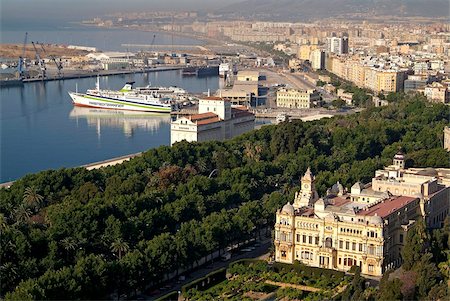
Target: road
(202, 272)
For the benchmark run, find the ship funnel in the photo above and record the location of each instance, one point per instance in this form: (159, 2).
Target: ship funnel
(128, 87)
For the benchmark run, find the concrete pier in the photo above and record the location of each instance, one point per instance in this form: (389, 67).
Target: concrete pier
(85, 74)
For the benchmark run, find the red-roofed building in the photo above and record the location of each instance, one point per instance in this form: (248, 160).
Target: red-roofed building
(216, 120)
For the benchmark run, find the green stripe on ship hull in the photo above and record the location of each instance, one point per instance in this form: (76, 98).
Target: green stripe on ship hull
(121, 103)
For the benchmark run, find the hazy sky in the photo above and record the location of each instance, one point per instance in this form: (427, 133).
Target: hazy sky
(46, 11)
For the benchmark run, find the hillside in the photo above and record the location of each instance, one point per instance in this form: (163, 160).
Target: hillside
(316, 9)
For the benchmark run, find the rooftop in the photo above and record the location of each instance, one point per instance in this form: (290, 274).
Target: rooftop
(213, 98)
(387, 206)
(202, 116)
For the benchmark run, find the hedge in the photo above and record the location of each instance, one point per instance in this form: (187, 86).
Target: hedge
(206, 282)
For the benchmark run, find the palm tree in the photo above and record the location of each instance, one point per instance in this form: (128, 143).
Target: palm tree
(202, 165)
(3, 223)
(69, 244)
(32, 197)
(248, 151)
(119, 246)
(22, 213)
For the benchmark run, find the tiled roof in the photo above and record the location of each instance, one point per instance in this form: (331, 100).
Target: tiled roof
(202, 116)
(208, 121)
(240, 112)
(386, 207)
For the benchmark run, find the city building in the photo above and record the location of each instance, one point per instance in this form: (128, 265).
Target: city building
(216, 120)
(389, 81)
(437, 92)
(296, 98)
(367, 226)
(345, 96)
(447, 138)
(337, 45)
(415, 83)
(304, 51)
(248, 76)
(317, 59)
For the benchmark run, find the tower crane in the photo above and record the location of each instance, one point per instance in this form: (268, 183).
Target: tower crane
(59, 66)
(41, 63)
(21, 68)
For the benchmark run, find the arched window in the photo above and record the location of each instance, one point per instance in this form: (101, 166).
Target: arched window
(329, 242)
(306, 255)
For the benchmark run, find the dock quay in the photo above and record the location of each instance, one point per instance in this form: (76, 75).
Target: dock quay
(85, 74)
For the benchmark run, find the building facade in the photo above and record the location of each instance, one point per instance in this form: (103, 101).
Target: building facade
(317, 59)
(366, 227)
(298, 99)
(216, 120)
(337, 45)
(447, 138)
(437, 92)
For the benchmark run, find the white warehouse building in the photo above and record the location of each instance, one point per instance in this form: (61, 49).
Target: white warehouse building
(216, 120)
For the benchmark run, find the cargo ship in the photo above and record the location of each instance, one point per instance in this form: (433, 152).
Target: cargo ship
(201, 71)
(139, 99)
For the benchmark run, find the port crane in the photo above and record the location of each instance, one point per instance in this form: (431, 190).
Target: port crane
(58, 65)
(21, 68)
(41, 63)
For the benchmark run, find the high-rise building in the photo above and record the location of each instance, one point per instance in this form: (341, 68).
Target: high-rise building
(317, 59)
(337, 45)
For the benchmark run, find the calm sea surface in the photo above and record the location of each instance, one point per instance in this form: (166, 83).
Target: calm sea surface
(102, 38)
(41, 129)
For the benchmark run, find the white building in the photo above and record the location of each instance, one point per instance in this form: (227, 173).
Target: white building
(317, 59)
(297, 99)
(216, 120)
(116, 60)
(337, 45)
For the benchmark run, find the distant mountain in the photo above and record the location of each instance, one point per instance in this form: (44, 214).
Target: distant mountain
(314, 9)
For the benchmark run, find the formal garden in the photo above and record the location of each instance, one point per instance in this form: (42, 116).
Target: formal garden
(260, 280)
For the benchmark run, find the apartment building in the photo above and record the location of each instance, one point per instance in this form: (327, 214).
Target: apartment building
(317, 59)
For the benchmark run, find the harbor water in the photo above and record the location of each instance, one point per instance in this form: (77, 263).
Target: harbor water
(41, 129)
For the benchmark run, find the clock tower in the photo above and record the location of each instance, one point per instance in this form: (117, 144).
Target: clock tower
(307, 196)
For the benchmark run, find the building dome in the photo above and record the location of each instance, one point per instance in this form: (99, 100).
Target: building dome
(399, 156)
(288, 209)
(376, 220)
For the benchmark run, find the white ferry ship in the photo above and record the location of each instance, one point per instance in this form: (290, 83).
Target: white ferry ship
(139, 99)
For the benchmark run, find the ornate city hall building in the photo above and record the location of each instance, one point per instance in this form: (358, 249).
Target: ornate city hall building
(366, 226)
